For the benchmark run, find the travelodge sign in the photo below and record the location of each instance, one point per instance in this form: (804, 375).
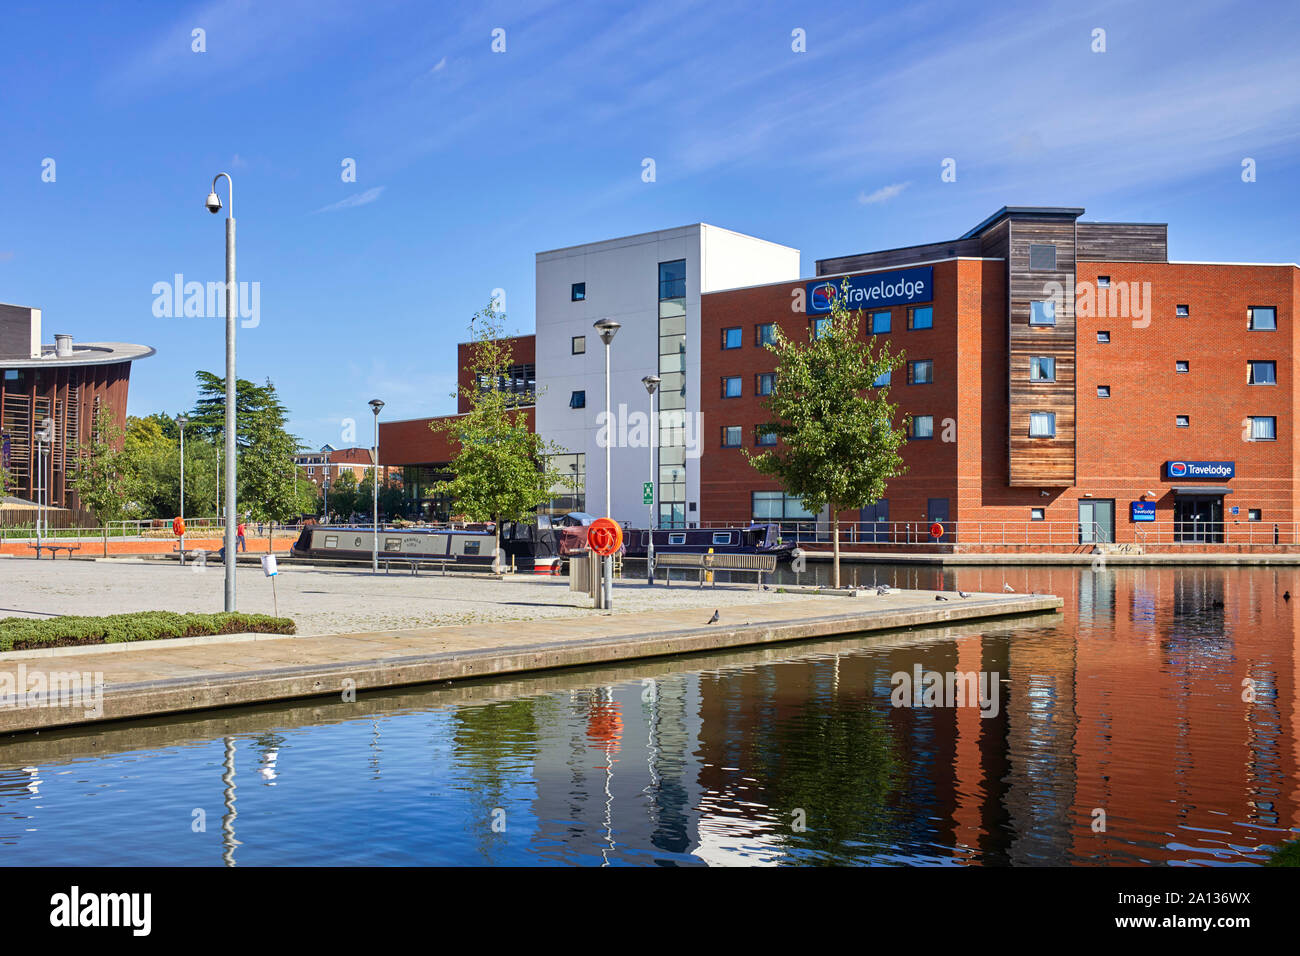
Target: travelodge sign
(1200, 469)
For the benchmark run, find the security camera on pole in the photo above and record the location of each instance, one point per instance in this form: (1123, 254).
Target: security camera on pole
(213, 205)
(608, 328)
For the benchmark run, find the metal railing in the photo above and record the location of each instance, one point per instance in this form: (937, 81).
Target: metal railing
(1022, 533)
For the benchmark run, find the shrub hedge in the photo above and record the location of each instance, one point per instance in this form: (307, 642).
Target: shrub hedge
(22, 633)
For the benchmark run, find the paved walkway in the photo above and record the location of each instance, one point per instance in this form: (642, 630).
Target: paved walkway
(159, 677)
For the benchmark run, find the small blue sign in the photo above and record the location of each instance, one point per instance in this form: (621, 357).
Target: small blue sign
(902, 287)
(1142, 511)
(1200, 469)
(1234, 510)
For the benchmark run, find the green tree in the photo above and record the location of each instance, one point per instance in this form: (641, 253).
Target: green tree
(267, 474)
(105, 480)
(501, 470)
(342, 497)
(839, 443)
(254, 405)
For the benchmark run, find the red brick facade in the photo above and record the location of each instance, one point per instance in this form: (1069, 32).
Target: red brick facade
(1122, 440)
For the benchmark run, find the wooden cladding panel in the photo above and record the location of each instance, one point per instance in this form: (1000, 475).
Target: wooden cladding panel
(899, 257)
(1046, 462)
(1123, 242)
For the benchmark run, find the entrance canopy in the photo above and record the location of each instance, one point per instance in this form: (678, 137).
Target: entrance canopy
(1201, 490)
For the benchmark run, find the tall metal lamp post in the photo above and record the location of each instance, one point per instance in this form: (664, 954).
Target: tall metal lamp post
(608, 328)
(181, 422)
(651, 383)
(213, 205)
(375, 406)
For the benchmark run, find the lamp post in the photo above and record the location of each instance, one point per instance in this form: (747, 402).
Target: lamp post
(651, 383)
(375, 406)
(608, 328)
(213, 205)
(181, 422)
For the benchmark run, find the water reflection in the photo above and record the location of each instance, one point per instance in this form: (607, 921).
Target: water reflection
(1162, 702)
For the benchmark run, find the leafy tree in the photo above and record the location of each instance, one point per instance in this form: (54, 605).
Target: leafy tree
(342, 498)
(104, 478)
(267, 474)
(255, 405)
(502, 469)
(839, 444)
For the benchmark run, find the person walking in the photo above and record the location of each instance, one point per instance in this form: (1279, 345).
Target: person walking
(240, 543)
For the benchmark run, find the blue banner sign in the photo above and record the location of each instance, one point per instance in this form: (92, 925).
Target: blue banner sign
(1200, 469)
(903, 287)
(1142, 511)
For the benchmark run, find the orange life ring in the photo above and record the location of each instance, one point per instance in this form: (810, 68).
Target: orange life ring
(604, 536)
(178, 526)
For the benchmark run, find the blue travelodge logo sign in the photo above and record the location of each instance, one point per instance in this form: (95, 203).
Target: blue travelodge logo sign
(1142, 511)
(902, 287)
(1200, 469)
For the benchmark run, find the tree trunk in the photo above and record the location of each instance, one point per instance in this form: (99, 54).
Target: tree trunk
(835, 523)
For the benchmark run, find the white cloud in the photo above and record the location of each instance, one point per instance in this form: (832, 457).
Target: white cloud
(360, 199)
(883, 194)
(439, 65)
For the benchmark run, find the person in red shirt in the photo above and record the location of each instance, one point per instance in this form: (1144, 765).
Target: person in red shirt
(240, 543)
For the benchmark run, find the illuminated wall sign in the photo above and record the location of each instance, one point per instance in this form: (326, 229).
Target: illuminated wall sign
(1200, 469)
(903, 287)
(1142, 511)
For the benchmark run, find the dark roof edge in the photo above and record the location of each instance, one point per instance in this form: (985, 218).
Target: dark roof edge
(1057, 212)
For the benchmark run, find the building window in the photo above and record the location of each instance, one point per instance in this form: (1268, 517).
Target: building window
(820, 327)
(1182, 365)
(731, 387)
(577, 292)
(765, 334)
(778, 506)
(920, 317)
(1037, 514)
(882, 379)
(1042, 368)
(1183, 421)
(578, 399)
(672, 279)
(920, 372)
(764, 436)
(1042, 257)
(1254, 514)
(1042, 424)
(1261, 373)
(731, 436)
(879, 323)
(1103, 282)
(1261, 318)
(922, 426)
(732, 338)
(1103, 337)
(764, 383)
(1103, 391)
(1182, 311)
(578, 344)
(1042, 313)
(1263, 428)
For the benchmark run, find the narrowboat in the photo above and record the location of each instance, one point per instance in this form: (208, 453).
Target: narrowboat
(757, 538)
(526, 547)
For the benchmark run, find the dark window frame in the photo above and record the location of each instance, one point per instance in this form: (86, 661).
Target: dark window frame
(578, 292)
(738, 442)
(740, 338)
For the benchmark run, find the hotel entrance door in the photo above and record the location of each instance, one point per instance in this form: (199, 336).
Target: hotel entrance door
(1198, 519)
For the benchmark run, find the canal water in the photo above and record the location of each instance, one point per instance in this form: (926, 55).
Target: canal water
(1154, 721)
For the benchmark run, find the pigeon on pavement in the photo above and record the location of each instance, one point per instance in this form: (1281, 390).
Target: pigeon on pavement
(940, 597)
(714, 619)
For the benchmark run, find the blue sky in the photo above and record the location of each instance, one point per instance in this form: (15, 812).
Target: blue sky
(470, 161)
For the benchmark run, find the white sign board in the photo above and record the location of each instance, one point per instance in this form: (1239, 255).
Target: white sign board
(268, 565)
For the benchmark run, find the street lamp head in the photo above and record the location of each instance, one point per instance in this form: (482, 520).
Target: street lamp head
(376, 405)
(608, 328)
(651, 382)
(182, 420)
(213, 203)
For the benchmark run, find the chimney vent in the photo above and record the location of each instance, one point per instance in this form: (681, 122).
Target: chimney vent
(63, 345)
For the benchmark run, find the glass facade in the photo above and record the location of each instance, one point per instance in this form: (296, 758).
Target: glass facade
(671, 493)
(420, 501)
(569, 491)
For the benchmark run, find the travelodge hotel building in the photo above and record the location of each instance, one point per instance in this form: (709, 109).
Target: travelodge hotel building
(1065, 384)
